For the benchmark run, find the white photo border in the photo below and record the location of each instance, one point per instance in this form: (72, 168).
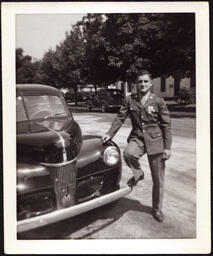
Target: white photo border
(202, 243)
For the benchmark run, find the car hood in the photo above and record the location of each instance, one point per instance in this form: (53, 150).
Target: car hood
(48, 141)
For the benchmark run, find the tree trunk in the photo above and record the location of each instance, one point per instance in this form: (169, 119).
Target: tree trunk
(193, 80)
(126, 88)
(95, 89)
(176, 85)
(76, 94)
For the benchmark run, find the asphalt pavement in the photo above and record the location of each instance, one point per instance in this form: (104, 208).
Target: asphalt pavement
(132, 218)
(175, 110)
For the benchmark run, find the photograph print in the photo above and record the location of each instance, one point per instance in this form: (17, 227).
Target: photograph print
(92, 74)
(106, 125)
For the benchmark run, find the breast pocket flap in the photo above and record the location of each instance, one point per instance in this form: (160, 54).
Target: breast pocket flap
(154, 134)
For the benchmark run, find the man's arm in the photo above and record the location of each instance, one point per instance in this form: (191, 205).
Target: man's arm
(165, 124)
(118, 121)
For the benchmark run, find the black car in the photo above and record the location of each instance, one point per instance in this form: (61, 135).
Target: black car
(70, 97)
(106, 100)
(60, 172)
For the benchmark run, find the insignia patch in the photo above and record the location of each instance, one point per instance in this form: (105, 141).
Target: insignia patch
(151, 109)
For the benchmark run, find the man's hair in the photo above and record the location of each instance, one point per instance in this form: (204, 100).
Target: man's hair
(144, 72)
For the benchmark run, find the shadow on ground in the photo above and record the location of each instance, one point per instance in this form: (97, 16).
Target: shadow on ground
(106, 215)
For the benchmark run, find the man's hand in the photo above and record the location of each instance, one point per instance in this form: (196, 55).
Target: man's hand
(105, 138)
(166, 154)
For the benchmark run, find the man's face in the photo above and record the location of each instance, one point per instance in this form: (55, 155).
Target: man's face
(144, 83)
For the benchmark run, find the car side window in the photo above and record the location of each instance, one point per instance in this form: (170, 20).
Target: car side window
(57, 105)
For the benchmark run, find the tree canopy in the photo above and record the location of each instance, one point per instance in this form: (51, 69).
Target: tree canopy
(27, 71)
(104, 48)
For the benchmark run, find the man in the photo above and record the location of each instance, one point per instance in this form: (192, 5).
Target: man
(151, 134)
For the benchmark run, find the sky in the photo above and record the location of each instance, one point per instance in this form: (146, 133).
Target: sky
(37, 33)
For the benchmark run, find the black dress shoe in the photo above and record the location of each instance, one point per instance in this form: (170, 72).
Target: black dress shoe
(132, 182)
(158, 215)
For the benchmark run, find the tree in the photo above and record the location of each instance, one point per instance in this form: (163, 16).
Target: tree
(103, 48)
(50, 68)
(119, 45)
(173, 52)
(64, 66)
(26, 70)
(96, 69)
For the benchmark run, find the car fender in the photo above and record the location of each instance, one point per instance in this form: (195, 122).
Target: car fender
(90, 158)
(32, 177)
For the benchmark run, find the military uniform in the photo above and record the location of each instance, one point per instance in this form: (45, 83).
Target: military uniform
(151, 134)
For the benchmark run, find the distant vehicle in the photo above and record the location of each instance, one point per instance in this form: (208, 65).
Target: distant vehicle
(186, 96)
(60, 173)
(106, 100)
(70, 96)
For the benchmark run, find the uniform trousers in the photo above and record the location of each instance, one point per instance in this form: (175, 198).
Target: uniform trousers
(132, 153)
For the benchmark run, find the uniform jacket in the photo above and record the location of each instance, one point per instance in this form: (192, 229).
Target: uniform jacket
(150, 123)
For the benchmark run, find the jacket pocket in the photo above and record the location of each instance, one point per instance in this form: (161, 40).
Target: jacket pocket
(155, 134)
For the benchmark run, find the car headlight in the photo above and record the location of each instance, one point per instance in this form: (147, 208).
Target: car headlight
(111, 155)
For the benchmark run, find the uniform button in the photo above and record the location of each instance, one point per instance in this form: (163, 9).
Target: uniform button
(142, 116)
(142, 123)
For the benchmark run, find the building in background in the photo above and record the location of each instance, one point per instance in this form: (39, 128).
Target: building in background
(162, 86)
(165, 87)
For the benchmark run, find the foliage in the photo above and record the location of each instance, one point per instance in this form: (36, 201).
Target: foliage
(26, 70)
(63, 67)
(120, 45)
(174, 51)
(103, 48)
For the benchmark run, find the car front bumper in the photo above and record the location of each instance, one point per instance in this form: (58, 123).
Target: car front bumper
(39, 221)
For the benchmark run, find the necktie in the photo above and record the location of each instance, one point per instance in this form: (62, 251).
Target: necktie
(143, 100)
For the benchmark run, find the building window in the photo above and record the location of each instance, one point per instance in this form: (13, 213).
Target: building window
(163, 84)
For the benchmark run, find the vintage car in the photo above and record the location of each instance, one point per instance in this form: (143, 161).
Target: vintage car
(106, 100)
(60, 172)
(70, 96)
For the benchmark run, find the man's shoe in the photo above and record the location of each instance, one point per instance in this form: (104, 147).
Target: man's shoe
(132, 182)
(158, 215)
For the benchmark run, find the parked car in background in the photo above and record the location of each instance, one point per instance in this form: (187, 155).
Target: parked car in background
(186, 96)
(70, 96)
(60, 172)
(106, 100)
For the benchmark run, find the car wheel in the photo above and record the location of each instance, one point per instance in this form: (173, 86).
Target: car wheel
(103, 108)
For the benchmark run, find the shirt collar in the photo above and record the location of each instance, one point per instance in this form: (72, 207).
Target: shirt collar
(146, 97)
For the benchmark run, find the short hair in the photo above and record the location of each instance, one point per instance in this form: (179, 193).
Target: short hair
(144, 72)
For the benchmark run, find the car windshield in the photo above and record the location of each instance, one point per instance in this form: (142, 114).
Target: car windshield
(39, 107)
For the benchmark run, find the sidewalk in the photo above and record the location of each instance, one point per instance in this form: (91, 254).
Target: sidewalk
(175, 111)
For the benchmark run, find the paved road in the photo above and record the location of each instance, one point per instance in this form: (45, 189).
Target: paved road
(181, 126)
(131, 217)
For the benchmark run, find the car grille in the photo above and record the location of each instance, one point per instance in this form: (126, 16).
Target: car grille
(89, 188)
(35, 204)
(64, 183)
